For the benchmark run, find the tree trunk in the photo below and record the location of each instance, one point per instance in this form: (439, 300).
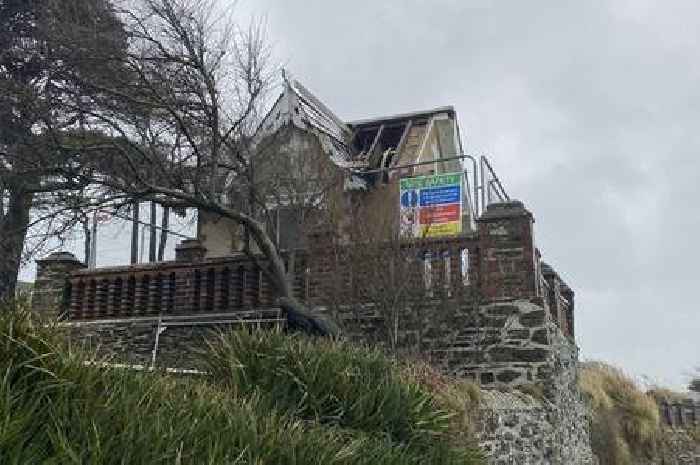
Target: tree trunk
(13, 232)
(298, 315)
(165, 224)
(88, 242)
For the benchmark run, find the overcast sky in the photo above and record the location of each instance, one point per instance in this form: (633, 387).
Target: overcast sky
(589, 111)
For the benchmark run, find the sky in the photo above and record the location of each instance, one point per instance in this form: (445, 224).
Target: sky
(588, 111)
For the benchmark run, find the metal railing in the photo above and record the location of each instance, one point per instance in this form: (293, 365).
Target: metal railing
(485, 187)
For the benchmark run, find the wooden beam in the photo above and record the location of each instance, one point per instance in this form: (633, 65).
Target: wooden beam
(404, 138)
(370, 153)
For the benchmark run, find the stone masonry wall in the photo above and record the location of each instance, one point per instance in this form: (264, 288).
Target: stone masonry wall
(505, 347)
(526, 351)
(551, 429)
(171, 342)
(679, 447)
(517, 429)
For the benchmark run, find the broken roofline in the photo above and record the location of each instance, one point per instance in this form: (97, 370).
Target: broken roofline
(314, 104)
(450, 110)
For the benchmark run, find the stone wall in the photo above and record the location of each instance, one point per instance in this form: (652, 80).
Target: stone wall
(678, 447)
(507, 347)
(162, 342)
(551, 428)
(518, 429)
(504, 344)
(526, 350)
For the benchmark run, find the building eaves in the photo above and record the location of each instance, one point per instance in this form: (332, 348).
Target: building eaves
(402, 116)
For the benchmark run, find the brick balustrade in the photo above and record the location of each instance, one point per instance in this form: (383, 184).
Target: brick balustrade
(225, 284)
(499, 262)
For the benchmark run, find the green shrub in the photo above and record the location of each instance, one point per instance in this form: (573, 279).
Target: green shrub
(334, 383)
(56, 410)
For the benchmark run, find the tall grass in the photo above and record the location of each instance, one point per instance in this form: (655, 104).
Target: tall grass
(338, 384)
(56, 410)
(625, 427)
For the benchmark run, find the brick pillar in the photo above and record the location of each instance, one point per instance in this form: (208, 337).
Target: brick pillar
(507, 252)
(190, 250)
(50, 297)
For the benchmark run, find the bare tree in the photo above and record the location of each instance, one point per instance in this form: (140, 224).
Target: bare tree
(176, 128)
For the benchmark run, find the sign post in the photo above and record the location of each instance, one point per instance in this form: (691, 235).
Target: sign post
(431, 206)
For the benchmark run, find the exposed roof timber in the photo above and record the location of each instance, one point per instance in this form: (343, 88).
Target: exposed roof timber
(375, 141)
(403, 116)
(426, 136)
(404, 137)
(373, 126)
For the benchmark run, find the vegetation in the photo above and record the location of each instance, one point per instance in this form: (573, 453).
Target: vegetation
(626, 428)
(270, 399)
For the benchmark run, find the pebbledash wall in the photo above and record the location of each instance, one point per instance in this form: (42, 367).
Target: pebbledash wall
(511, 326)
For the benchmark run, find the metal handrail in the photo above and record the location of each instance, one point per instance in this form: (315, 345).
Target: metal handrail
(479, 186)
(387, 169)
(487, 184)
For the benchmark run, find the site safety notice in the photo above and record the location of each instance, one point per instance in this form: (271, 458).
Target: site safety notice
(431, 206)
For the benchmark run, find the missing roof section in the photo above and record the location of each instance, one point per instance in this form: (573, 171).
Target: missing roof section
(361, 145)
(379, 142)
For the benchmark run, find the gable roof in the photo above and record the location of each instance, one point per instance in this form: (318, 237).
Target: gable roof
(348, 144)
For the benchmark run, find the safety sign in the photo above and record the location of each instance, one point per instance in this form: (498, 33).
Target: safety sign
(431, 206)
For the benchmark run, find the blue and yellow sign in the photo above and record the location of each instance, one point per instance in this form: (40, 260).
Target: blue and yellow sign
(431, 206)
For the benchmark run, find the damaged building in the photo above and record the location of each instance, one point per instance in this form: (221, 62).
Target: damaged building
(306, 158)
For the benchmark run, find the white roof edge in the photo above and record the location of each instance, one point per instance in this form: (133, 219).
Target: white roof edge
(413, 114)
